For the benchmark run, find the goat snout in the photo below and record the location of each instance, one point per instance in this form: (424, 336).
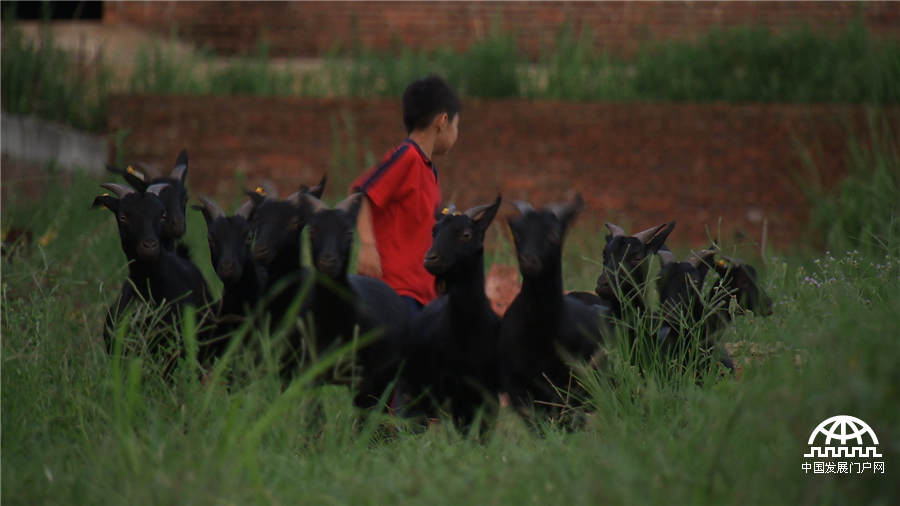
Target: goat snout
(177, 226)
(148, 249)
(603, 288)
(328, 264)
(229, 271)
(262, 254)
(530, 264)
(434, 264)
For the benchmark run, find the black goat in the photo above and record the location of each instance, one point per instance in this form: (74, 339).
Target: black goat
(542, 329)
(626, 261)
(345, 304)
(156, 275)
(230, 250)
(452, 354)
(278, 225)
(174, 195)
(738, 280)
(683, 310)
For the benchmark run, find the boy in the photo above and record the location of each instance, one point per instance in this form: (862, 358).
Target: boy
(402, 194)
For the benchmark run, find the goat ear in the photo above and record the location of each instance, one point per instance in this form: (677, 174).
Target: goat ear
(255, 196)
(268, 188)
(614, 231)
(245, 209)
(351, 205)
(181, 166)
(565, 212)
(700, 258)
(134, 178)
(149, 172)
(702, 261)
(310, 204)
(107, 201)
(318, 190)
(206, 215)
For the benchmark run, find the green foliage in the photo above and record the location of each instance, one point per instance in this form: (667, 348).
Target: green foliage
(751, 64)
(863, 211)
(733, 64)
(80, 427)
(44, 80)
(252, 76)
(161, 69)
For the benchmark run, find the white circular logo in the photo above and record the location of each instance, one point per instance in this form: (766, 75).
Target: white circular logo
(843, 428)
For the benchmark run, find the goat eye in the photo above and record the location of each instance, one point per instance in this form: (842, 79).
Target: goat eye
(163, 218)
(467, 235)
(122, 218)
(249, 238)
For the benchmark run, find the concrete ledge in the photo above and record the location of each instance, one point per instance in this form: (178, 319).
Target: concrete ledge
(33, 141)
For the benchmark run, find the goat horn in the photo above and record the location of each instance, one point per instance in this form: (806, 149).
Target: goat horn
(269, 188)
(349, 202)
(318, 190)
(648, 234)
(215, 212)
(150, 172)
(522, 206)
(615, 230)
(245, 209)
(178, 172)
(666, 258)
(477, 210)
(315, 205)
(560, 209)
(295, 198)
(695, 259)
(181, 166)
(119, 189)
(156, 189)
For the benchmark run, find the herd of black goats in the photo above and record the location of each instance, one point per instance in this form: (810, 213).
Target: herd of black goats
(458, 353)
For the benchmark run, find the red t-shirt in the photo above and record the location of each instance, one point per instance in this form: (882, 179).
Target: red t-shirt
(405, 194)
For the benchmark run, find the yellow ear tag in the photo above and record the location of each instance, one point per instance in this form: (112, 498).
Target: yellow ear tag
(445, 211)
(135, 173)
(259, 190)
(48, 236)
(722, 263)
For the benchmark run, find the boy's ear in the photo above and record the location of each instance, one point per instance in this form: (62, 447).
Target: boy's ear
(107, 201)
(442, 120)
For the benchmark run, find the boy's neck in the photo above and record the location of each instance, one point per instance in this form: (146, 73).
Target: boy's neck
(425, 139)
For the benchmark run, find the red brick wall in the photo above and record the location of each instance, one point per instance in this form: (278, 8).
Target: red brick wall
(309, 29)
(635, 164)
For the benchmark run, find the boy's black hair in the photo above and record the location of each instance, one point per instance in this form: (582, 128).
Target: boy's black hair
(424, 99)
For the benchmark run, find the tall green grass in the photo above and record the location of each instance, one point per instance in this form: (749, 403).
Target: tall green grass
(43, 80)
(79, 427)
(862, 212)
(744, 64)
